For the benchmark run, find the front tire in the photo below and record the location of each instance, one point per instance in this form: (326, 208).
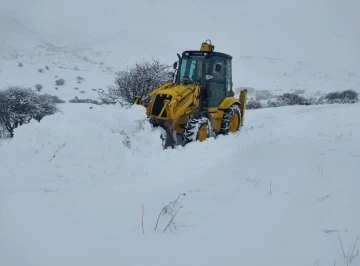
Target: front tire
(231, 120)
(197, 128)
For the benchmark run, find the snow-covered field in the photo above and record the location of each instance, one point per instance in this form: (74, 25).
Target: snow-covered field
(86, 186)
(279, 192)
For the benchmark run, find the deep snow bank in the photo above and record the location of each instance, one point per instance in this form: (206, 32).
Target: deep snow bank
(84, 206)
(81, 143)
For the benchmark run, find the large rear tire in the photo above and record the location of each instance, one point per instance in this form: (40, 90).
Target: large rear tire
(197, 128)
(231, 120)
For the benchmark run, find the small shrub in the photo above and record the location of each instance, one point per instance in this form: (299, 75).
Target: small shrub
(55, 99)
(76, 88)
(56, 88)
(20, 65)
(272, 104)
(289, 99)
(292, 99)
(348, 96)
(47, 68)
(38, 87)
(251, 104)
(77, 100)
(60, 82)
(82, 91)
(79, 79)
(41, 70)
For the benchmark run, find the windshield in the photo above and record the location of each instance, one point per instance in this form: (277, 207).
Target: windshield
(195, 68)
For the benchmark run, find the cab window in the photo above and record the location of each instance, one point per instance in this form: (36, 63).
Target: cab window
(218, 70)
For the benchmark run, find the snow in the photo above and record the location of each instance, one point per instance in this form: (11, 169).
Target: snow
(279, 76)
(97, 61)
(72, 190)
(279, 192)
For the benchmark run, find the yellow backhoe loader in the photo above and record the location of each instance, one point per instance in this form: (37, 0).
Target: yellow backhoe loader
(199, 102)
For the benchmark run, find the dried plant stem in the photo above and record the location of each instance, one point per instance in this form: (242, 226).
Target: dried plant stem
(342, 246)
(352, 252)
(142, 219)
(271, 185)
(172, 219)
(159, 217)
(175, 204)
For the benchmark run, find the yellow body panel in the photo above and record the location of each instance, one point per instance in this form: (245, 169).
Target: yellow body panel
(228, 102)
(184, 99)
(217, 118)
(180, 102)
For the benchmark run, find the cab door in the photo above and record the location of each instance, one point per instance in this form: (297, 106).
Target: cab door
(217, 85)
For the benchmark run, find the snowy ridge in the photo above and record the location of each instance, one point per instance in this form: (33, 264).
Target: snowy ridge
(284, 187)
(115, 131)
(15, 37)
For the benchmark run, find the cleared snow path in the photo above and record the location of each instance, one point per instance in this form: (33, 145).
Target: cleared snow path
(279, 192)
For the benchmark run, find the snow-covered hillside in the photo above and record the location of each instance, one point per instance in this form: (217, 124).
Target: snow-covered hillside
(279, 76)
(279, 192)
(97, 61)
(15, 37)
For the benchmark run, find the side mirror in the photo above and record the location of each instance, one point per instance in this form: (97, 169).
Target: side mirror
(175, 65)
(218, 67)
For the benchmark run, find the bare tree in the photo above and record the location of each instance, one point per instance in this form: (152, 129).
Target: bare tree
(137, 81)
(19, 105)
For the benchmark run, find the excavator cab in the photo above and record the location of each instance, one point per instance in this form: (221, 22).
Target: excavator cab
(212, 71)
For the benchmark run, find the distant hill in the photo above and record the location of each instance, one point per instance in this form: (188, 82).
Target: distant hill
(70, 54)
